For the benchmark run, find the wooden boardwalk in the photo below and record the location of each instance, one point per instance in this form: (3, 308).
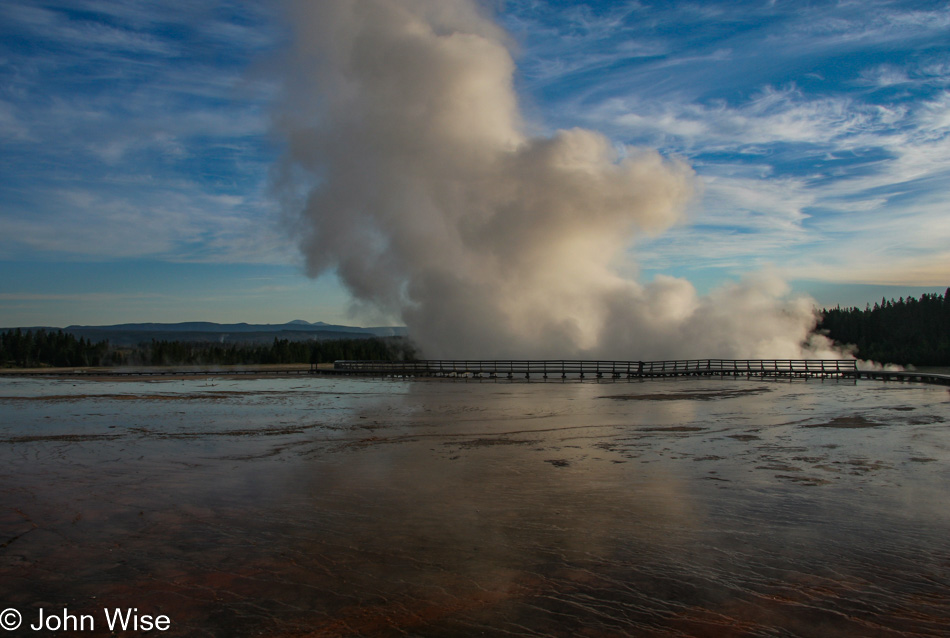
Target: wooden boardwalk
(578, 369)
(582, 369)
(531, 370)
(905, 375)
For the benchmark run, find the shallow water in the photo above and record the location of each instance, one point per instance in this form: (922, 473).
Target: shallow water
(349, 507)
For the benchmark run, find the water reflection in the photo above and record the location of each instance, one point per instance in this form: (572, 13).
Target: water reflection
(348, 507)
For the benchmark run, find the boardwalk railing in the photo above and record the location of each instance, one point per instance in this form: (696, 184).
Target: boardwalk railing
(599, 369)
(511, 369)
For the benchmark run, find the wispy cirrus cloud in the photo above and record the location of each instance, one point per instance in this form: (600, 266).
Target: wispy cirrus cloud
(817, 130)
(145, 221)
(59, 29)
(133, 128)
(86, 297)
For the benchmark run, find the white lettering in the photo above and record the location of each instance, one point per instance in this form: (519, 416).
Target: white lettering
(65, 622)
(129, 620)
(116, 620)
(39, 622)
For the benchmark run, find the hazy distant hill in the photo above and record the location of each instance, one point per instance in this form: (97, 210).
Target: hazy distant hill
(204, 331)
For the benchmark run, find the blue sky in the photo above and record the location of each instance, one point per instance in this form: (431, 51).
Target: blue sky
(137, 155)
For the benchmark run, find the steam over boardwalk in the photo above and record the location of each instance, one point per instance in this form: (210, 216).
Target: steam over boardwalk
(411, 172)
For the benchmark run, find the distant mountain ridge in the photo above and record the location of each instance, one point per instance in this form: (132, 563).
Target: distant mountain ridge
(204, 331)
(208, 326)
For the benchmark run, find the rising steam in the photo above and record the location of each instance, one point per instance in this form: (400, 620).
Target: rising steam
(409, 171)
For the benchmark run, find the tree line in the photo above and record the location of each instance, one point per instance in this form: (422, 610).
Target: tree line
(906, 331)
(41, 348)
(46, 348)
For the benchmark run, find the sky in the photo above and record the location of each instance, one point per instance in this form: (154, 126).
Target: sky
(138, 148)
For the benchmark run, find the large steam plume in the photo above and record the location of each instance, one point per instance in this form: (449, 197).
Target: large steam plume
(409, 171)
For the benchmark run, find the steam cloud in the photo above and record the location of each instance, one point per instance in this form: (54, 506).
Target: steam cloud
(409, 170)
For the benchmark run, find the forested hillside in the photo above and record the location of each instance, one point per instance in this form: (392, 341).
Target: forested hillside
(46, 348)
(25, 349)
(906, 331)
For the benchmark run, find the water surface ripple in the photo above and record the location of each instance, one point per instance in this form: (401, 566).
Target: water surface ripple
(358, 507)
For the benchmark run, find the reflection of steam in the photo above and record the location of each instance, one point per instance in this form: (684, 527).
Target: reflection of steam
(422, 189)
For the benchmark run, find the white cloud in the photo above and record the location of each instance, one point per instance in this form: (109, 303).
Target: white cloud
(771, 116)
(55, 26)
(114, 151)
(803, 179)
(86, 297)
(188, 225)
(12, 128)
(883, 76)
